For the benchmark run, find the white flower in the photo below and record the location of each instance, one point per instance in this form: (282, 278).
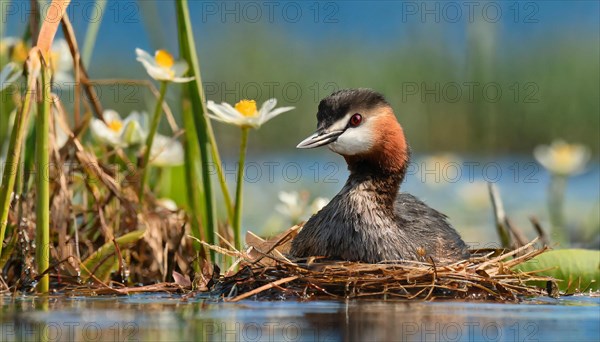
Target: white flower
(132, 130)
(61, 60)
(62, 63)
(294, 205)
(15, 48)
(10, 73)
(561, 158)
(166, 152)
(291, 205)
(117, 132)
(318, 204)
(6, 43)
(167, 203)
(163, 67)
(60, 136)
(244, 114)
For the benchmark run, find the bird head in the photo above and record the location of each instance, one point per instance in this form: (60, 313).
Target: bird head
(360, 125)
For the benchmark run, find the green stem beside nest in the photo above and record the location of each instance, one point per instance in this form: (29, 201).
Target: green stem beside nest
(42, 206)
(150, 139)
(192, 156)
(237, 220)
(206, 138)
(556, 197)
(13, 157)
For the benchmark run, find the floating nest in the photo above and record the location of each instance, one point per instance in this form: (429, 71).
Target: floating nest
(266, 273)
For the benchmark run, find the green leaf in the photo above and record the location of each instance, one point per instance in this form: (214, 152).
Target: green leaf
(194, 92)
(42, 185)
(577, 270)
(171, 185)
(104, 260)
(193, 166)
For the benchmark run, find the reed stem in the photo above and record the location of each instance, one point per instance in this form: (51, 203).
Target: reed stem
(237, 222)
(92, 33)
(221, 176)
(42, 207)
(558, 184)
(13, 156)
(204, 132)
(191, 156)
(150, 139)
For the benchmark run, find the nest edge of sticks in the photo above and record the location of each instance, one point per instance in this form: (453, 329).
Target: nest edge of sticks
(265, 272)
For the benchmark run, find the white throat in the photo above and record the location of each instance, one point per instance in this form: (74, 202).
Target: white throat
(355, 140)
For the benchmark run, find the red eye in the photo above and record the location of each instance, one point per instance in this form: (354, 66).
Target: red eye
(355, 120)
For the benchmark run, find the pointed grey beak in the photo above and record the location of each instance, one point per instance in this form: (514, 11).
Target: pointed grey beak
(319, 139)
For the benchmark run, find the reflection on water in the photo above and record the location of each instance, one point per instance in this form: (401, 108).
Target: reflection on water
(167, 317)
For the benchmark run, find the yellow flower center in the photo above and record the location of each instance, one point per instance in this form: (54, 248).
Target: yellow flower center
(563, 154)
(164, 59)
(115, 125)
(19, 52)
(246, 107)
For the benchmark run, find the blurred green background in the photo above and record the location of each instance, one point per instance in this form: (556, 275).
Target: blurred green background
(482, 77)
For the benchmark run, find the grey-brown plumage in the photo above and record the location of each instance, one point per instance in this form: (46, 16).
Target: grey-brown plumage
(368, 220)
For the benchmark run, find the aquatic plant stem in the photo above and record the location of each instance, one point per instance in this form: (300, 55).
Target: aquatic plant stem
(237, 221)
(13, 156)
(42, 206)
(556, 197)
(195, 93)
(221, 176)
(150, 139)
(3, 18)
(192, 154)
(92, 33)
(499, 216)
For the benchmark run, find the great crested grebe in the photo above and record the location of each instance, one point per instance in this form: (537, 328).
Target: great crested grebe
(369, 220)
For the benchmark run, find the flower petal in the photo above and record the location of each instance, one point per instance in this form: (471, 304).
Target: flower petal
(267, 106)
(228, 110)
(318, 204)
(132, 133)
(561, 158)
(63, 52)
(10, 73)
(290, 198)
(103, 134)
(60, 136)
(156, 72)
(179, 68)
(167, 203)
(216, 109)
(8, 42)
(226, 113)
(225, 120)
(140, 117)
(166, 151)
(182, 79)
(111, 115)
(275, 113)
(143, 55)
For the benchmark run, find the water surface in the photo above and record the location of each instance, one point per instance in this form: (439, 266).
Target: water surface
(170, 317)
